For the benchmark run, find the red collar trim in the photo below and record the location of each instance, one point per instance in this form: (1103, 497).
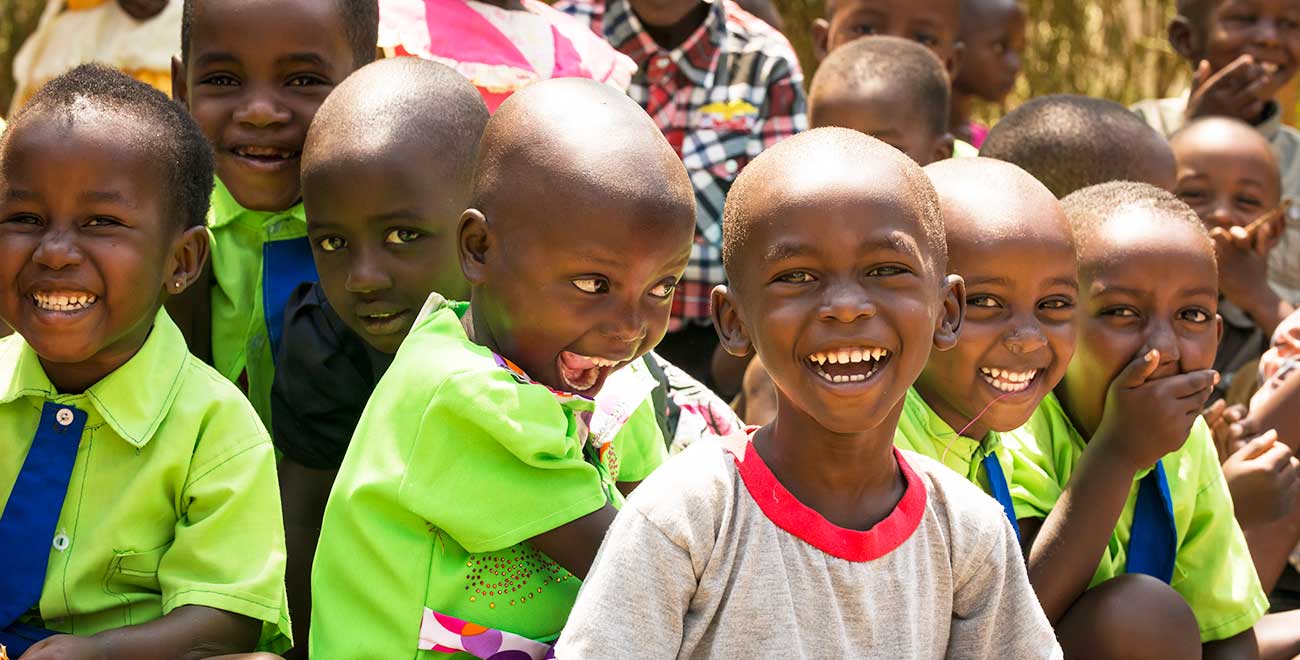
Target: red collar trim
(798, 519)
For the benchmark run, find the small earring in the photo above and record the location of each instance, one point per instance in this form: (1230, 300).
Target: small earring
(179, 284)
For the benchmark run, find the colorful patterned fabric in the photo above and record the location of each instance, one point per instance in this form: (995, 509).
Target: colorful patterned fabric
(447, 634)
(498, 50)
(730, 91)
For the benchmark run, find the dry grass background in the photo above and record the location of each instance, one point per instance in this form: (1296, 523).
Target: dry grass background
(1110, 48)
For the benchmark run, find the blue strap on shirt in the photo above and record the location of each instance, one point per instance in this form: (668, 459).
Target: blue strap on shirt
(32, 511)
(285, 264)
(998, 484)
(1153, 542)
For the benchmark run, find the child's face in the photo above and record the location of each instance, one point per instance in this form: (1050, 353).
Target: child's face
(1268, 30)
(88, 240)
(257, 72)
(1143, 285)
(931, 23)
(1019, 330)
(994, 41)
(840, 296)
(889, 115)
(573, 286)
(1228, 182)
(383, 233)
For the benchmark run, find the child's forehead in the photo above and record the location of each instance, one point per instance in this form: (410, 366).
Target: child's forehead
(949, 11)
(1135, 241)
(238, 26)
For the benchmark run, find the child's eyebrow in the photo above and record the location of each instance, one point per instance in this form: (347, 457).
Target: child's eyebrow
(107, 197)
(208, 59)
(310, 59)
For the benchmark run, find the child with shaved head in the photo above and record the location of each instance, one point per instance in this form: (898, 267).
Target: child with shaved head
(475, 489)
(814, 525)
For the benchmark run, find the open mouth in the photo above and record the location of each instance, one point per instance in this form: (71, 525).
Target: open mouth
(848, 365)
(582, 372)
(385, 323)
(1007, 380)
(266, 155)
(64, 301)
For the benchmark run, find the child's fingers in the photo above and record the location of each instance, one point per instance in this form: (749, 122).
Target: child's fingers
(1260, 445)
(1139, 370)
(1190, 385)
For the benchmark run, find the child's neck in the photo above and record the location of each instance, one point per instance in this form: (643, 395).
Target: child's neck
(852, 480)
(1071, 401)
(76, 378)
(669, 37)
(958, 421)
(959, 117)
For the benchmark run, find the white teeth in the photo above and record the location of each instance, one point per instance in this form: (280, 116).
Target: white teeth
(62, 302)
(845, 357)
(601, 362)
(1007, 380)
(833, 358)
(820, 358)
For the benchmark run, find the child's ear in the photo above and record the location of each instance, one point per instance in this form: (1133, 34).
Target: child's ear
(726, 320)
(947, 328)
(189, 254)
(474, 239)
(180, 90)
(953, 65)
(1218, 330)
(942, 147)
(1185, 40)
(821, 34)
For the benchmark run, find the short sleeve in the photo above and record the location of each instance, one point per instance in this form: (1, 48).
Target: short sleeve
(602, 625)
(1034, 485)
(322, 383)
(1214, 571)
(496, 462)
(995, 613)
(228, 552)
(640, 445)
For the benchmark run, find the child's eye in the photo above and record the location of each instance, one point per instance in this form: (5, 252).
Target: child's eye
(331, 243)
(307, 81)
(887, 271)
(102, 221)
(1120, 312)
(863, 29)
(592, 284)
(23, 219)
(1059, 303)
(1194, 315)
(220, 80)
(1248, 201)
(795, 277)
(988, 302)
(927, 40)
(1189, 196)
(663, 290)
(999, 48)
(401, 236)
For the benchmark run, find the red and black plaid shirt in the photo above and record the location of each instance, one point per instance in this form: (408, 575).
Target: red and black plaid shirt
(731, 90)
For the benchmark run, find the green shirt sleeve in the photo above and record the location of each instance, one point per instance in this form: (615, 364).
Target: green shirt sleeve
(496, 462)
(228, 551)
(1035, 485)
(1214, 572)
(640, 445)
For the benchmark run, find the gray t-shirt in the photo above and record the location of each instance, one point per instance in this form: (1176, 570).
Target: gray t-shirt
(712, 558)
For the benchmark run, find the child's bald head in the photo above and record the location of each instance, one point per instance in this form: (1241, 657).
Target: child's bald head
(582, 224)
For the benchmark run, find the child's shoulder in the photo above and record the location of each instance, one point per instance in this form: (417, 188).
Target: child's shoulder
(694, 488)
(968, 519)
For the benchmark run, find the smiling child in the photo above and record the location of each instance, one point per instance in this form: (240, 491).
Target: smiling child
(140, 510)
(1010, 242)
(253, 73)
(1117, 475)
(834, 246)
(473, 487)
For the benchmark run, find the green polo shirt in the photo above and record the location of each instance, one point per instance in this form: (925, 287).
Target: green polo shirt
(456, 463)
(1213, 570)
(173, 499)
(240, 340)
(921, 430)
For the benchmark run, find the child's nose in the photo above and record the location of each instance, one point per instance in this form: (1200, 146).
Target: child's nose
(1161, 337)
(846, 303)
(365, 277)
(261, 110)
(1025, 338)
(56, 251)
(1266, 32)
(625, 323)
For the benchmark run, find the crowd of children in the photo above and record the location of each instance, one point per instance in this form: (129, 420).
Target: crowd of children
(405, 329)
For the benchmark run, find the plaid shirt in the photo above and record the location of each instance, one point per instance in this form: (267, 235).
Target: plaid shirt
(731, 90)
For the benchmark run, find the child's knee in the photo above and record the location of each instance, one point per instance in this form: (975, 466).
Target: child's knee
(1132, 616)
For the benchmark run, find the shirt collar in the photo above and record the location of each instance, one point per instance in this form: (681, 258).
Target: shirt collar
(132, 400)
(225, 210)
(694, 57)
(940, 430)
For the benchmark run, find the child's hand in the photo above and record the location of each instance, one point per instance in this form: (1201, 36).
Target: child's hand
(1145, 419)
(1238, 90)
(1243, 268)
(1264, 478)
(1225, 427)
(66, 647)
(142, 9)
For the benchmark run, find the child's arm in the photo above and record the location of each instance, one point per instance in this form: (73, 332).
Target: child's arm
(637, 564)
(1143, 420)
(574, 545)
(188, 632)
(304, 493)
(1239, 647)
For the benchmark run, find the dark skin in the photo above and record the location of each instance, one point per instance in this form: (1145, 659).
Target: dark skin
(816, 278)
(1147, 337)
(993, 33)
(82, 215)
(607, 294)
(886, 112)
(142, 9)
(1242, 52)
(931, 23)
(670, 22)
(1021, 293)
